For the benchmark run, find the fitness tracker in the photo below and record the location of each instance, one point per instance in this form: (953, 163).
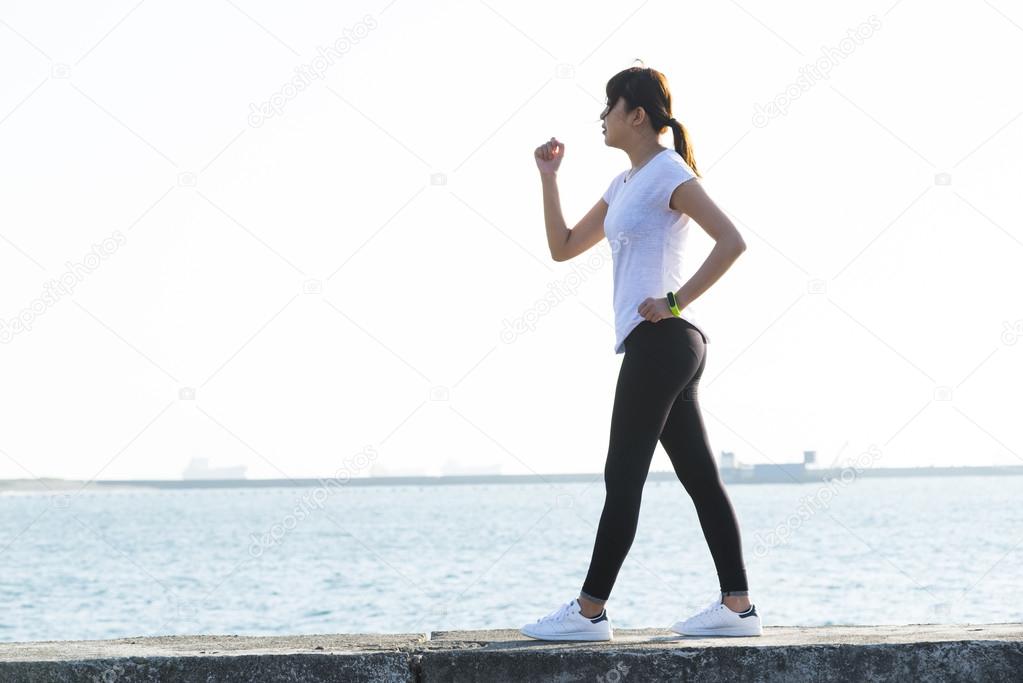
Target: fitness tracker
(673, 305)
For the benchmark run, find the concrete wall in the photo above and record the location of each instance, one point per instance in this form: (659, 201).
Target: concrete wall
(983, 652)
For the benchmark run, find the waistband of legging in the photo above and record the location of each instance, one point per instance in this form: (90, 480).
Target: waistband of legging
(668, 325)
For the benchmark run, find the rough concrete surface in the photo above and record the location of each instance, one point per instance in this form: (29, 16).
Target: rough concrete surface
(930, 652)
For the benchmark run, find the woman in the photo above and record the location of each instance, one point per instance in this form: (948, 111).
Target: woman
(644, 214)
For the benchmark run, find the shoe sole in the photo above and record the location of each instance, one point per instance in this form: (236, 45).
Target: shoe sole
(728, 631)
(573, 636)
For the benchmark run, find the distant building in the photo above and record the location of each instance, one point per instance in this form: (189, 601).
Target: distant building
(781, 473)
(727, 460)
(199, 468)
(809, 458)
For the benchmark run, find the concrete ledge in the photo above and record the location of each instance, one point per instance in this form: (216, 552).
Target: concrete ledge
(973, 652)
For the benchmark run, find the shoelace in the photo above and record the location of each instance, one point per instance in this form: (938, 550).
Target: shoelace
(557, 614)
(712, 607)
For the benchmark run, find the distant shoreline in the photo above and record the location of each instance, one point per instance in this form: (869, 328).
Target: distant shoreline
(782, 474)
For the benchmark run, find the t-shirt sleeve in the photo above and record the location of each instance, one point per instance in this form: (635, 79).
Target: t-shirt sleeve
(676, 174)
(609, 192)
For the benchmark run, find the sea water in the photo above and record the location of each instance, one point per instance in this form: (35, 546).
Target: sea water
(411, 559)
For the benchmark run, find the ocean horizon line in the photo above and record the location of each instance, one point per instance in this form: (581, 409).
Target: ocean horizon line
(732, 475)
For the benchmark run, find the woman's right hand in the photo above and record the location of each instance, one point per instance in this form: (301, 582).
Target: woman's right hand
(549, 155)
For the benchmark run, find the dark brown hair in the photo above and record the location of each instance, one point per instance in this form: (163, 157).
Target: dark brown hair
(648, 88)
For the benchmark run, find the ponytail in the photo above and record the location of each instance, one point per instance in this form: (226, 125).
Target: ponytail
(683, 144)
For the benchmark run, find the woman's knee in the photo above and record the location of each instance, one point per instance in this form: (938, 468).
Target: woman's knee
(703, 485)
(623, 487)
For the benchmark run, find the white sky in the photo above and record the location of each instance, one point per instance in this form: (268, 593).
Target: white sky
(133, 118)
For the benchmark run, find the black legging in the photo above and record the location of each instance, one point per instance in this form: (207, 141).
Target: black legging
(656, 399)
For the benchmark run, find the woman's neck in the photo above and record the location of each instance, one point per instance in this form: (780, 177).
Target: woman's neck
(640, 156)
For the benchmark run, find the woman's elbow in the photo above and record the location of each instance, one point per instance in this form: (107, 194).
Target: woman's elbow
(734, 243)
(728, 237)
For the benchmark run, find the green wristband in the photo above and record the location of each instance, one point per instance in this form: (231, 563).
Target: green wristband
(673, 305)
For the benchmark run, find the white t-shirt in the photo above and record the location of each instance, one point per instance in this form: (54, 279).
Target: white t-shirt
(647, 238)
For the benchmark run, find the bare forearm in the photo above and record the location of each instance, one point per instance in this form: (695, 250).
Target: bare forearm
(557, 229)
(719, 260)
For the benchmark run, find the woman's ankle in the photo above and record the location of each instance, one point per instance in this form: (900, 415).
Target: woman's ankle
(737, 603)
(588, 608)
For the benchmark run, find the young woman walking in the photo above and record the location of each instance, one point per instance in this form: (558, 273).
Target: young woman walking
(644, 214)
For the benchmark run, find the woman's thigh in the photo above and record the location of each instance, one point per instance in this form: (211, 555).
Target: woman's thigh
(684, 436)
(660, 361)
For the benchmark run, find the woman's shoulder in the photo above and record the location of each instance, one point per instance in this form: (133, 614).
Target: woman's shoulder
(613, 186)
(674, 160)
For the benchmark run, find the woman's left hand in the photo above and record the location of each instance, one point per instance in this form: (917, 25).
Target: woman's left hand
(655, 309)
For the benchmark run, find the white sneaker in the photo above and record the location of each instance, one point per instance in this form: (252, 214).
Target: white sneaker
(717, 619)
(567, 623)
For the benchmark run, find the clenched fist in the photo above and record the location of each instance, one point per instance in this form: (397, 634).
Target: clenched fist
(549, 155)
(655, 310)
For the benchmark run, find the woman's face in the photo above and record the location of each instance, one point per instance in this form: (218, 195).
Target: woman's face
(613, 125)
(611, 118)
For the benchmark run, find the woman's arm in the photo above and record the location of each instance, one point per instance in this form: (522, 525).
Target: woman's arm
(557, 229)
(564, 243)
(691, 199)
(567, 244)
